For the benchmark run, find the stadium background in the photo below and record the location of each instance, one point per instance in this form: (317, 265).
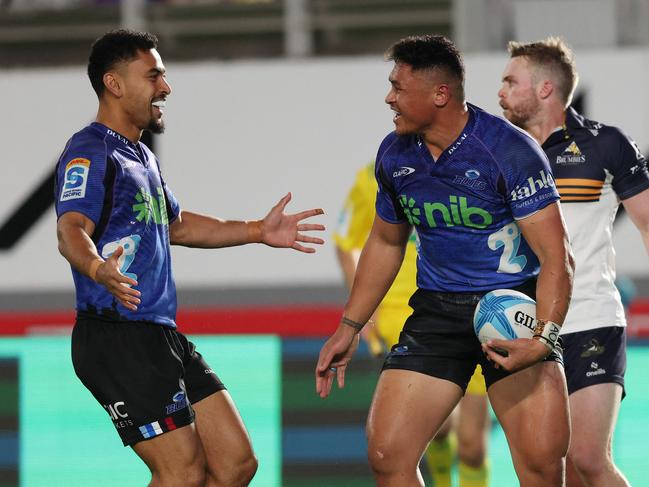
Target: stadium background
(269, 96)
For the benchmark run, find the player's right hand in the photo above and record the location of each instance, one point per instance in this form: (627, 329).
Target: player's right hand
(119, 285)
(334, 358)
(515, 355)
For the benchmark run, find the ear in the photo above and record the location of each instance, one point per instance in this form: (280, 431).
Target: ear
(545, 89)
(113, 84)
(442, 95)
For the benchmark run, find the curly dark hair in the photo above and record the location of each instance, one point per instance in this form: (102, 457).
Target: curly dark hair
(114, 47)
(428, 52)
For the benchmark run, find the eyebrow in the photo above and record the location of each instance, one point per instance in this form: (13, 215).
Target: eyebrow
(157, 70)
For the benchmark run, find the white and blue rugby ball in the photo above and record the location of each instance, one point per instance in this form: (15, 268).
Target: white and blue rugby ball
(504, 314)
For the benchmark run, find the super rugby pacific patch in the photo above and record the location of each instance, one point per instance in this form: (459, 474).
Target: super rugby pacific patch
(76, 178)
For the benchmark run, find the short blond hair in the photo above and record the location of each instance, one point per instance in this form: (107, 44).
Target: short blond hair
(553, 55)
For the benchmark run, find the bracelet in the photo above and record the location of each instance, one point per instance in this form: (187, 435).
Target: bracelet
(547, 332)
(354, 324)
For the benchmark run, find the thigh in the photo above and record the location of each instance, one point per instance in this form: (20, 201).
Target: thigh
(407, 410)
(532, 407)
(593, 414)
(172, 452)
(224, 437)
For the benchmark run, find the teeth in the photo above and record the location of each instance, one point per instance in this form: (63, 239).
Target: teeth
(159, 103)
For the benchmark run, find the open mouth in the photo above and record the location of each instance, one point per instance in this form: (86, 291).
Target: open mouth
(159, 104)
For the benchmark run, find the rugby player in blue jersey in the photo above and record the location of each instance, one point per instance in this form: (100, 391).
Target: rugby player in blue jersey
(480, 195)
(596, 167)
(116, 221)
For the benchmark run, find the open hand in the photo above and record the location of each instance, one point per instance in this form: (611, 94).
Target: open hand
(119, 285)
(285, 231)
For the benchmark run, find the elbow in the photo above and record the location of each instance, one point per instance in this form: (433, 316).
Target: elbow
(61, 244)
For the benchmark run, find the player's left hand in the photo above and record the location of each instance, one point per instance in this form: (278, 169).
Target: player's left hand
(285, 231)
(514, 355)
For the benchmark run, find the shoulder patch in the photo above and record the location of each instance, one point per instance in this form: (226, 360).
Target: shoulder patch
(75, 179)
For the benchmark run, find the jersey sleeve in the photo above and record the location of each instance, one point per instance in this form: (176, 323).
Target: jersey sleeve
(527, 177)
(79, 182)
(357, 215)
(387, 203)
(629, 169)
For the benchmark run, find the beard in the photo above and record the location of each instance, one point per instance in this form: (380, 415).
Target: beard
(524, 112)
(156, 126)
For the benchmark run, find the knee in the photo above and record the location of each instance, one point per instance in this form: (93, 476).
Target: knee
(382, 459)
(238, 472)
(588, 461)
(472, 451)
(545, 459)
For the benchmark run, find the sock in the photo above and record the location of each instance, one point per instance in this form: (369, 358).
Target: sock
(473, 476)
(439, 457)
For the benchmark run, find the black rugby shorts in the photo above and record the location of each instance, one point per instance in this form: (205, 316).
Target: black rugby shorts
(438, 338)
(146, 376)
(595, 357)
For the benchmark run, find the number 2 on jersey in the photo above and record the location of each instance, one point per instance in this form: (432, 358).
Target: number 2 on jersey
(509, 238)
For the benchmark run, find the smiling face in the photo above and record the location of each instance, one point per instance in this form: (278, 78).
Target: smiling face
(412, 98)
(144, 90)
(518, 94)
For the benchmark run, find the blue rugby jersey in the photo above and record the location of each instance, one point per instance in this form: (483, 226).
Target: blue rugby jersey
(117, 184)
(465, 204)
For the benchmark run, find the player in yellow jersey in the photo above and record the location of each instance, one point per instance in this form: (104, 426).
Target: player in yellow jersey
(471, 419)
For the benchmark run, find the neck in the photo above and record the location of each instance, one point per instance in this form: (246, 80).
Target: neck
(545, 123)
(446, 129)
(118, 121)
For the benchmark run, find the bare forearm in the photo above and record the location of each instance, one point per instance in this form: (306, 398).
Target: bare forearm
(79, 250)
(202, 231)
(553, 291)
(377, 268)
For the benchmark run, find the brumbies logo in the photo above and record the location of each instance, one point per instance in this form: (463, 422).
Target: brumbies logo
(76, 177)
(571, 156)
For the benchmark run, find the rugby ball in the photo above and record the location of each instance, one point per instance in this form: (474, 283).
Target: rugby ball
(504, 314)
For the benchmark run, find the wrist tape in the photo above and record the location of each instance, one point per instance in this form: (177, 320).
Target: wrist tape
(547, 332)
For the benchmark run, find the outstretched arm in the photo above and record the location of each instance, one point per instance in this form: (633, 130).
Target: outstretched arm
(546, 233)
(277, 229)
(378, 265)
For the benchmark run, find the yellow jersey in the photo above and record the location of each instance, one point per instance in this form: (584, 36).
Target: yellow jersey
(354, 225)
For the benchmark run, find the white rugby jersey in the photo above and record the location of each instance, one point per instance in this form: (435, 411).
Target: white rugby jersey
(595, 167)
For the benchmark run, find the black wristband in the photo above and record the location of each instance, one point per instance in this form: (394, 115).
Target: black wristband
(354, 324)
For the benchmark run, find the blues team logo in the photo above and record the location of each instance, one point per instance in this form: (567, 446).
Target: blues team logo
(76, 177)
(180, 402)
